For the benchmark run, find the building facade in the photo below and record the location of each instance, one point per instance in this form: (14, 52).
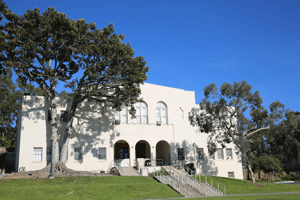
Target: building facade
(160, 130)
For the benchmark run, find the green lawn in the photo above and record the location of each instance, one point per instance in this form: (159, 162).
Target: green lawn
(254, 197)
(117, 187)
(235, 186)
(120, 187)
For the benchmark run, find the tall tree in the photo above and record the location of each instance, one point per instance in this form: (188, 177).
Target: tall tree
(10, 104)
(3, 45)
(284, 140)
(32, 41)
(223, 115)
(111, 76)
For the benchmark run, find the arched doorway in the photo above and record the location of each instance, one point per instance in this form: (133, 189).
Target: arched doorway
(142, 149)
(122, 152)
(163, 151)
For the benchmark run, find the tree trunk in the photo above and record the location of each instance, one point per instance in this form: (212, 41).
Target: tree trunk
(65, 144)
(54, 135)
(251, 172)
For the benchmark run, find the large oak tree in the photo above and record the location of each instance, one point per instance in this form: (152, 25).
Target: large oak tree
(109, 72)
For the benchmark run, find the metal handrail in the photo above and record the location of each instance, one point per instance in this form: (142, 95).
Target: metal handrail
(137, 166)
(118, 165)
(159, 175)
(211, 183)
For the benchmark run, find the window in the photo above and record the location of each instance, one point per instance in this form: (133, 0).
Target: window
(161, 113)
(37, 154)
(141, 113)
(77, 154)
(212, 156)
(49, 115)
(180, 152)
(220, 153)
(122, 116)
(102, 154)
(229, 154)
(230, 174)
(200, 153)
(49, 150)
(63, 116)
(124, 153)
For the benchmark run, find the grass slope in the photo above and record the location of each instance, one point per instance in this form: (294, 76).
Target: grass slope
(85, 188)
(254, 197)
(236, 186)
(120, 187)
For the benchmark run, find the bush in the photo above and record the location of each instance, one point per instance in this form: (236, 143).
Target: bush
(291, 177)
(286, 177)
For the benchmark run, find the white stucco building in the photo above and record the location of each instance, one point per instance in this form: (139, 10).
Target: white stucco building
(161, 130)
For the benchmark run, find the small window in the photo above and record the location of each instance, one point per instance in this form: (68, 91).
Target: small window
(78, 153)
(102, 154)
(63, 116)
(220, 154)
(37, 154)
(180, 152)
(200, 153)
(49, 115)
(228, 154)
(212, 156)
(230, 174)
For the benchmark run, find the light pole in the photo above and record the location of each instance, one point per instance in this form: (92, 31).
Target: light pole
(51, 173)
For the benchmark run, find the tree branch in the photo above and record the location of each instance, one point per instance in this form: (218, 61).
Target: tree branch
(245, 136)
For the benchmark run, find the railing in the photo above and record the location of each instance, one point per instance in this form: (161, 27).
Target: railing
(169, 180)
(118, 166)
(111, 165)
(212, 182)
(138, 168)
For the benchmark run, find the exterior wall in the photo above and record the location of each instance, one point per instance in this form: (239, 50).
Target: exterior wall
(94, 128)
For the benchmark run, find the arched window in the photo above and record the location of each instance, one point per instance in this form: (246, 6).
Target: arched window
(141, 113)
(121, 116)
(161, 113)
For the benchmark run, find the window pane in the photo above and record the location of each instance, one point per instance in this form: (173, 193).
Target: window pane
(142, 104)
(37, 154)
(229, 154)
(124, 119)
(138, 119)
(164, 112)
(145, 121)
(220, 153)
(157, 114)
(77, 154)
(138, 111)
(164, 120)
(117, 116)
(212, 156)
(144, 111)
(102, 153)
(124, 111)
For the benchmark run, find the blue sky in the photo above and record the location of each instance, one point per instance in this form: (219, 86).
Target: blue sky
(190, 44)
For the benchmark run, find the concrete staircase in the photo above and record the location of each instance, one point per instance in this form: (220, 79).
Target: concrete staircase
(178, 186)
(128, 171)
(184, 184)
